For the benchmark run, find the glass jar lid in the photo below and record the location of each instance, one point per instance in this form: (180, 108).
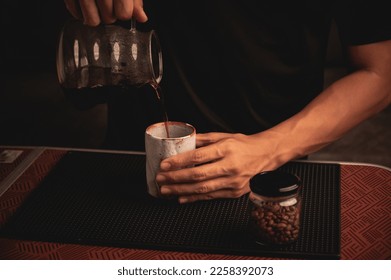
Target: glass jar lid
(275, 183)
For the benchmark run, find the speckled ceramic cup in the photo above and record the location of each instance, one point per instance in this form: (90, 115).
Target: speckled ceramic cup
(158, 147)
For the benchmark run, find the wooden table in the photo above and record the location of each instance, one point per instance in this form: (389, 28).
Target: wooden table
(365, 212)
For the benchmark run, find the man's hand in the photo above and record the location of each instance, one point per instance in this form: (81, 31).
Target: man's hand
(221, 167)
(93, 12)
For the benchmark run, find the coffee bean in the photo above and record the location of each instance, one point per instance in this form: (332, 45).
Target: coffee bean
(273, 223)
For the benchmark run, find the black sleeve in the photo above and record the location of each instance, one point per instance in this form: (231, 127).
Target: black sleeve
(363, 21)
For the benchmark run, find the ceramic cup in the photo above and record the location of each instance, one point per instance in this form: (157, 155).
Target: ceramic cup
(158, 147)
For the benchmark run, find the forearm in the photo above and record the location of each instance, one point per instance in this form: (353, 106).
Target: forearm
(342, 106)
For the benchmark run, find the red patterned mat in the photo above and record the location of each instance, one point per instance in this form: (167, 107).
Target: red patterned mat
(366, 212)
(7, 168)
(365, 223)
(14, 197)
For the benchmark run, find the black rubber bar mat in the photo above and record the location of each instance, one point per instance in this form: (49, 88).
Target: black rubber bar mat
(101, 199)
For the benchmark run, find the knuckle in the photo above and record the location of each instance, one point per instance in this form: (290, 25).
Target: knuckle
(198, 156)
(226, 147)
(236, 169)
(220, 148)
(202, 189)
(199, 175)
(233, 169)
(229, 144)
(225, 170)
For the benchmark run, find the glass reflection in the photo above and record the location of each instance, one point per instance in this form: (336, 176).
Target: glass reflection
(116, 51)
(134, 51)
(76, 52)
(96, 51)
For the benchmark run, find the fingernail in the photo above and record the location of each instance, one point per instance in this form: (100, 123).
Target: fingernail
(165, 166)
(160, 178)
(165, 190)
(183, 200)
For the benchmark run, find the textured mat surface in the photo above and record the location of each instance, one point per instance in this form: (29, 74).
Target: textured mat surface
(100, 199)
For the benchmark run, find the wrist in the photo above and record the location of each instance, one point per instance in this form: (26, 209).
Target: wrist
(284, 147)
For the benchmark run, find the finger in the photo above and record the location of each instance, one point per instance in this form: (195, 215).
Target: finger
(201, 188)
(222, 193)
(106, 11)
(204, 139)
(139, 12)
(194, 157)
(90, 12)
(123, 9)
(74, 8)
(195, 174)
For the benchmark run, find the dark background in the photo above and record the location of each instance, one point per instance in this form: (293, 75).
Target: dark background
(34, 111)
(30, 30)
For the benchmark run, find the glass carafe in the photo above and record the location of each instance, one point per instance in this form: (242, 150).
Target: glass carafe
(107, 55)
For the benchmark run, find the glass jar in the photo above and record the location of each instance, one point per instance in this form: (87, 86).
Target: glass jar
(275, 199)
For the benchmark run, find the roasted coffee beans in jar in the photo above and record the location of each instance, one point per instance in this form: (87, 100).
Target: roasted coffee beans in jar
(275, 199)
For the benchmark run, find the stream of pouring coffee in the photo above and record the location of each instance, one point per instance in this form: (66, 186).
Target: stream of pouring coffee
(160, 96)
